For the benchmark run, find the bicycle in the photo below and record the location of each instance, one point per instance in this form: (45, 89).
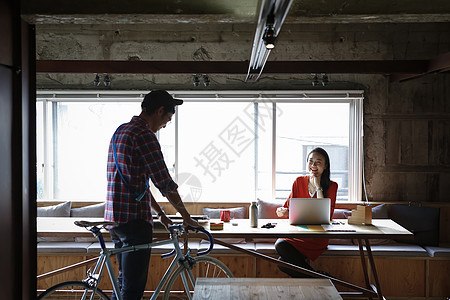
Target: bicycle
(183, 267)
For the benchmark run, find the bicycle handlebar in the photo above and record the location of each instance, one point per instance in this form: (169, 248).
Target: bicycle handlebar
(179, 227)
(210, 239)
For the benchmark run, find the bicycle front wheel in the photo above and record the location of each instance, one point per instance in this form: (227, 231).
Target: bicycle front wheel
(203, 266)
(72, 290)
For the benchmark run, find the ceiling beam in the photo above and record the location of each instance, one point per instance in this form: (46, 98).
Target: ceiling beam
(141, 67)
(440, 63)
(415, 67)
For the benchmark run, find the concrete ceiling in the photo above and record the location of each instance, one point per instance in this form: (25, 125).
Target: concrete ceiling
(215, 15)
(137, 11)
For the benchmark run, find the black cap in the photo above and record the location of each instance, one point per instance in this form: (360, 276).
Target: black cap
(155, 99)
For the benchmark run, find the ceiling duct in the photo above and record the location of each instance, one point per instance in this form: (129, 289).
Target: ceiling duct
(271, 15)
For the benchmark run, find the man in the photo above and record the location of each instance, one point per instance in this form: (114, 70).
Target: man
(134, 157)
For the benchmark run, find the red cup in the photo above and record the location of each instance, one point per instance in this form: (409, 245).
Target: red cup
(225, 215)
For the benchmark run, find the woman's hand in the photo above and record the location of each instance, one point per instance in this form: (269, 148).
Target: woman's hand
(315, 181)
(282, 211)
(314, 186)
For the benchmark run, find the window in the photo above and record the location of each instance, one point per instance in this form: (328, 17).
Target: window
(220, 146)
(301, 128)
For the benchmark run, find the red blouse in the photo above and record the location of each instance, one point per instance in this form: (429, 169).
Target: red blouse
(311, 248)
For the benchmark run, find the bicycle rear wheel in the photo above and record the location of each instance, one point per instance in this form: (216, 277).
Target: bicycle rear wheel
(203, 266)
(72, 290)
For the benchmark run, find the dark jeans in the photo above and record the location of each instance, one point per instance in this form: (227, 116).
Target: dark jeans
(133, 266)
(289, 254)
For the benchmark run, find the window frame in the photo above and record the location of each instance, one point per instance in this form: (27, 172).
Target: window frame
(353, 97)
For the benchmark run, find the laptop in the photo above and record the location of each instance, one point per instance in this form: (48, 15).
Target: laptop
(309, 211)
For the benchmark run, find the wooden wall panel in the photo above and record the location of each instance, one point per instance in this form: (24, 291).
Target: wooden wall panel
(440, 143)
(267, 269)
(239, 265)
(47, 263)
(401, 277)
(344, 268)
(105, 284)
(158, 267)
(411, 157)
(439, 278)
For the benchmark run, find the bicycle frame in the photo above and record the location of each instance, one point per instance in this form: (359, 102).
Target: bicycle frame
(105, 255)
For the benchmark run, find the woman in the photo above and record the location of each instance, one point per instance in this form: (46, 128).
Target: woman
(315, 185)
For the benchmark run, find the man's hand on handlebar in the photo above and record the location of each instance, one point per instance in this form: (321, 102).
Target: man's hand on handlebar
(191, 222)
(165, 221)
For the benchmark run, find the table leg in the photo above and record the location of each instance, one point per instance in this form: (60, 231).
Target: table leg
(364, 264)
(364, 291)
(374, 270)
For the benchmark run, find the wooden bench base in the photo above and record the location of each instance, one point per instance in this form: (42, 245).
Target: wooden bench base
(418, 277)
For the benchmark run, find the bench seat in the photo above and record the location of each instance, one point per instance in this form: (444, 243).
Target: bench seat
(163, 249)
(193, 245)
(378, 250)
(219, 249)
(353, 250)
(94, 248)
(438, 251)
(403, 250)
(62, 247)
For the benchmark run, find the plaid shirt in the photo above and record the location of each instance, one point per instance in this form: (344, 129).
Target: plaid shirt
(139, 158)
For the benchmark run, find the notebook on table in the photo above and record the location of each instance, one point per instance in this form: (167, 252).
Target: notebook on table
(309, 211)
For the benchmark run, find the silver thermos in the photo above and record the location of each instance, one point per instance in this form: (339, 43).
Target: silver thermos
(254, 215)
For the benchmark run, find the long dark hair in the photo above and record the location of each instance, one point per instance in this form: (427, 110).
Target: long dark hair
(325, 181)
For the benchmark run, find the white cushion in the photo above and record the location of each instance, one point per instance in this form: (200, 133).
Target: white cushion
(92, 211)
(267, 209)
(60, 210)
(214, 213)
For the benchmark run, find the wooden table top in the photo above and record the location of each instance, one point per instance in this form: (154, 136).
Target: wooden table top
(381, 228)
(264, 288)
